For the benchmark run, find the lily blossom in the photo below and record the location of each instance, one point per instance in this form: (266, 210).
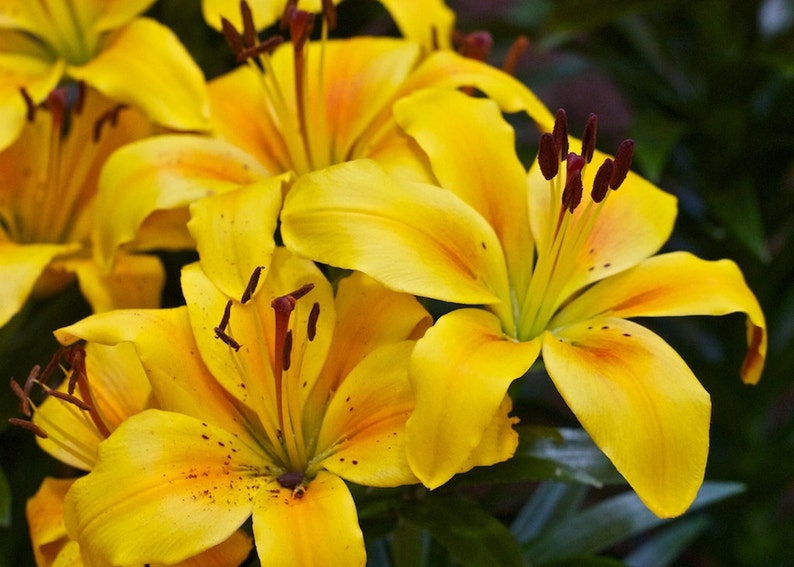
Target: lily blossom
(559, 271)
(130, 59)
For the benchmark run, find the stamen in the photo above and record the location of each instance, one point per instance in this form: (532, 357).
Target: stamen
(251, 287)
(300, 28)
(572, 194)
(110, 116)
(601, 181)
(29, 425)
(560, 132)
(227, 339)
(329, 14)
(233, 37)
(623, 158)
(80, 99)
(249, 30)
(589, 138)
(311, 328)
(261, 48)
(476, 45)
(31, 106)
(286, 353)
(69, 398)
(57, 104)
(287, 15)
(24, 402)
(227, 313)
(548, 158)
(517, 49)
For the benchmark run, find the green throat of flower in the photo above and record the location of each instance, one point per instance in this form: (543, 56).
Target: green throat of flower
(571, 219)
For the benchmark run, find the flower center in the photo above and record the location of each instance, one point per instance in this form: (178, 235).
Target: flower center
(285, 438)
(298, 114)
(82, 406)
(571, 221)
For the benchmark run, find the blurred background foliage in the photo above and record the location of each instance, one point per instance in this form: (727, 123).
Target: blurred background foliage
(706, 89)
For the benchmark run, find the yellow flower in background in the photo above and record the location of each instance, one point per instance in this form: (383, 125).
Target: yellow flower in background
(294, 107)
(105, 386)
(130, 59)
(558, 272)
(48, 183)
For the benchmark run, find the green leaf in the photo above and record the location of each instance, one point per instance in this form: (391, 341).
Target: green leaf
(466, 531)
(737, 207)
(610, 522)
(546, 453)
(5, 501)
(587, 561)
(551, 503)
(664, 548)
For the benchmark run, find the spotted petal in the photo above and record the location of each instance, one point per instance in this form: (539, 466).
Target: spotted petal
(318, 528)
(180, 484)
(675, 284)
(639, 402)
(460, 372)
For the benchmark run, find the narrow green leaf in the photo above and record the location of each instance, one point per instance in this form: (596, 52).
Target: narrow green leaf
(5, 501)
(664, 549)
(610, 522)
(466, 531)
(550, 503)
(587, 561)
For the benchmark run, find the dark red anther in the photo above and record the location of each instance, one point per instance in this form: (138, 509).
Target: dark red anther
(311, 327)
(253, 281)
(227, 313)
(560, 132)
(79, 102)
(601, 181)
(476, 45)
(24, 400)
(75, 357)
(548, 158)
(589, 138)
(233, 37)
(623, 158)
(110, 116)
(572, 194)
(517, 49)
(574, 163)
(29, 425)
(220, 334)
(249, 30)
(329, 14)
(288, 13)
(260, 48)
(69, 398)
(286, 353)
(29, 104)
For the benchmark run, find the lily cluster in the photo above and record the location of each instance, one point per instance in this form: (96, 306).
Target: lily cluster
(276, 386)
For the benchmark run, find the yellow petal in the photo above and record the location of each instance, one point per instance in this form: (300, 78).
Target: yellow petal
(265, 12)
(21, 266)
(165, 172)
(44, 512)
(414, 238)
(673, 284)
(180, 383)
(460, 372)
(639, 402)
(634, 222)
(472, 153)
(136, 281)
(115, 14)
(364, 426)
(429, 23)
(499, 440)
(119, 389)
(233, 551)
(234, 232)
(180, 484)
(318, 528)
(145, 65)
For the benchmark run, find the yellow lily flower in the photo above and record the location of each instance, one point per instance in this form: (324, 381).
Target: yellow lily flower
(70, 429)
(295, 107)
(556, 276)
(48, 181)
(292, 392)
(130, 59)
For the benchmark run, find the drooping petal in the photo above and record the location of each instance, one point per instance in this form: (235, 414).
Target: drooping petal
(318, 528)
(632, 224)
(639, 402)
(414, 238)
(180, 484)
(119, 389)
(472, 153)
(674, 284)
(44, 511)
(233, 551)
(145, 65)
(248, 373)
(167, 350)
(136, 281)
(234, 232)
(22, 265)
(460, 371)
(499, 441)
(165, 172)
(429, 23)
(364, 426)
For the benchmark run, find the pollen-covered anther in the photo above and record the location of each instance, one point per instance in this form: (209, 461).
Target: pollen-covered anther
(589, 138)
(572, 193)
(311, 327)
(286, 352)
(253, 281)
(548, 158)
(601, 181)
(29, 104)
(560, 132)
(623, 158)
(110, 116)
